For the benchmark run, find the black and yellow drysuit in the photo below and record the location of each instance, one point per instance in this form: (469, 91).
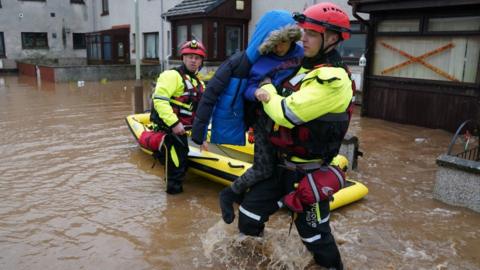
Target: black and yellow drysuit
(310, 121)
(175, 100)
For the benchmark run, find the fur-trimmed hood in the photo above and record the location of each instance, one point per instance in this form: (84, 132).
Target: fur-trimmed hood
(289, 32)
(270, 22)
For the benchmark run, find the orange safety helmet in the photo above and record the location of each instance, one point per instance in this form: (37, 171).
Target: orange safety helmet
(193, 47)
(324, 16)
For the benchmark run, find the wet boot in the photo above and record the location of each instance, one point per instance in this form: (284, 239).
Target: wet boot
(174, 187)
(329, 259)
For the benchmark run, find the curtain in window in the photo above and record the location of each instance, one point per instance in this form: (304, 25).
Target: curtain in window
(233, 40)
(151, 45)
(197, 32)
(445, 58)
(181, 36)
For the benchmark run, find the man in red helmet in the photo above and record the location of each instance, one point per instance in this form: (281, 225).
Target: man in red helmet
(175, 100)
(310, 113)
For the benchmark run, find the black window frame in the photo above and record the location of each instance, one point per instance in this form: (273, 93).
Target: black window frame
(82, 2)
(105, 10)
(157, 41)
(38, 35)
(79, 41)
(2, 43)
(241, 37)
(361, 31)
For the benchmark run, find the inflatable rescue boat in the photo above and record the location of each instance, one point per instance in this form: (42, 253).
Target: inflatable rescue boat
(224, 163)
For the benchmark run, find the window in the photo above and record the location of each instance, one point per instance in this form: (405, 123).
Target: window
(94, 47)
(444, 58)
(77, 1)
(107, 48)
(2, 45)
(104, 7)
(444, 48)
(79, 41)
(233, 40)
(182, 36)
(34, 40)
(454, 24)
(406, 25)
(355, 46)
(150, 41)
(197, 32)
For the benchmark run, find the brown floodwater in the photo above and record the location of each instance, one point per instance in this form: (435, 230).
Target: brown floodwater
(77, 193)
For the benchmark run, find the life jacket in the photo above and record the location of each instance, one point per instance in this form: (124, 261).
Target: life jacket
(183, 106)
(320, 138)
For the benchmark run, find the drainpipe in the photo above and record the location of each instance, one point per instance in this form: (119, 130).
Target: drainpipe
(138, 82)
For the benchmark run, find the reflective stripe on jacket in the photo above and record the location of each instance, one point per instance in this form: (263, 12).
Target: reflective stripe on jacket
(171, 85)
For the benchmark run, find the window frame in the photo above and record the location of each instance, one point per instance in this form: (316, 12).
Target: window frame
(188, 25)
(34, 47)
(240, 27)
(157, 41)
(362, 31)
(212, 43)
(81, 2)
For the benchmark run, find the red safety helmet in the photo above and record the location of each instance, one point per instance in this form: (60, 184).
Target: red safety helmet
(324, 16)
(193, 47)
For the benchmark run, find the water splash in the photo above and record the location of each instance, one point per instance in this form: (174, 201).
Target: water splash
(223, 244)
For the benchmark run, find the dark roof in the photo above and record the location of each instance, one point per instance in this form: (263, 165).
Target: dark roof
(187, 7)
(384, 5)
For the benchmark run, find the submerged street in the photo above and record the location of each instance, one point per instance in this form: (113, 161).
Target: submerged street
(76, 192)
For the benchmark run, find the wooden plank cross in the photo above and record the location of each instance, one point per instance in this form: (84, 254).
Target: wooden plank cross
(419, 59)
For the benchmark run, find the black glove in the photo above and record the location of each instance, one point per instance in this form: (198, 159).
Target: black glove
(227, 198)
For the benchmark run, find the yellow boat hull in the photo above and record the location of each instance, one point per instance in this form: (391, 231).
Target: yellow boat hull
(224, 169)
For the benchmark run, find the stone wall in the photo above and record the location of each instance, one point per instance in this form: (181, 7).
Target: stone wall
(62, 73)
(458, 182)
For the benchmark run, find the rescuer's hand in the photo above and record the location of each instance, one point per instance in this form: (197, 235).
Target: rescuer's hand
(178, 129)
(204, 146)
(262, 95)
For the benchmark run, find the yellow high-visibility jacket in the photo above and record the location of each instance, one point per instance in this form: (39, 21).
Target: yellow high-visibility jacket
(169, 85)
(320, 93)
